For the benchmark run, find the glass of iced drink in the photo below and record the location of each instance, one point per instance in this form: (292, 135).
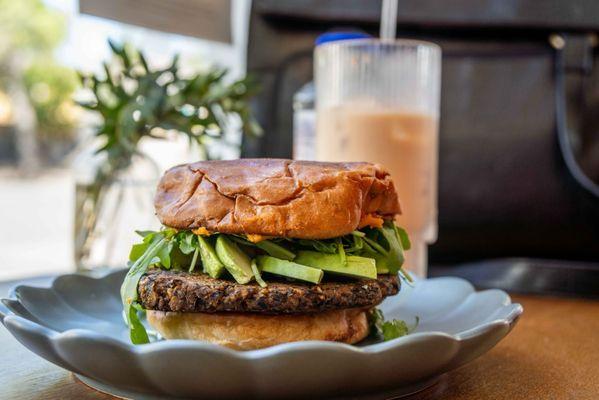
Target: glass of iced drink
(378, 101)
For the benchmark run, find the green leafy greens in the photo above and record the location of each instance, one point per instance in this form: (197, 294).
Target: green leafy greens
(142, 257)
(156, 248)
(361, 254)
(391, 329)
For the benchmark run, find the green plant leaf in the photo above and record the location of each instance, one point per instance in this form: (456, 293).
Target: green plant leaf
(137, 251)
(129, 78)
(394, 329)
(129, 294)
(186, 242)
(194, 259)
(137, 332)
(164, 255)
(116, 48)
(257, 275)
(389, 330)
(403, 237)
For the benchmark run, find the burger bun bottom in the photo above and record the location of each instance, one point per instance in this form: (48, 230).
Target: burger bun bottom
(255, 331)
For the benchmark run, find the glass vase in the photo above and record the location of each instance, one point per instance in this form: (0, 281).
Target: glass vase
(113, 199)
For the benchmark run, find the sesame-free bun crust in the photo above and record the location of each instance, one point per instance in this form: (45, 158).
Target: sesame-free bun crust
(274, 197)
(256, 331)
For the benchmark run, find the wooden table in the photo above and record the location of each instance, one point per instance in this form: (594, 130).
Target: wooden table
(553, 353)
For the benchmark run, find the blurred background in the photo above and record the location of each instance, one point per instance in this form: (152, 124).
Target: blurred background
(518, 141)
(46, 138)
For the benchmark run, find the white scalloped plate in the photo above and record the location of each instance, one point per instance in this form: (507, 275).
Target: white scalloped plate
(76, 324)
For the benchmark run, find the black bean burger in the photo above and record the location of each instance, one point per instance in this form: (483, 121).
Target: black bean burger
(257, 252)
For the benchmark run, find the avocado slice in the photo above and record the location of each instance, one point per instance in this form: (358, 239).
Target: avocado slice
(236, 261)
(212, 265)
(382, 263)
(362, 267)
(358, 267)
(275, 250)
(289, 269)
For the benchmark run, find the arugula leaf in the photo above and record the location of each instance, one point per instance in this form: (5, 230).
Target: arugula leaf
(270, 247)
(154, 260)
(186, 242)
(384, 244)
(194, 259)
(257, 275)
(143, 234)
(355, 244)
(389, 329)
(240, 240)
(341, 252)
(318, 245)
(164, 255)
(275, 250)
(394, 329)
(137, 331)
(395, 255)
(129, 297)
(374, 246)
(149, 237)
(137, 251)
(179, 260)
(376, 319)
(402, 235)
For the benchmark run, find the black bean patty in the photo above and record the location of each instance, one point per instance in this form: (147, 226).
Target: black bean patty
(183, 292)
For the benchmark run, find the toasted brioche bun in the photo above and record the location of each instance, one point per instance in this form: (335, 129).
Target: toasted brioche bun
(272, 197)
(256, 331)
